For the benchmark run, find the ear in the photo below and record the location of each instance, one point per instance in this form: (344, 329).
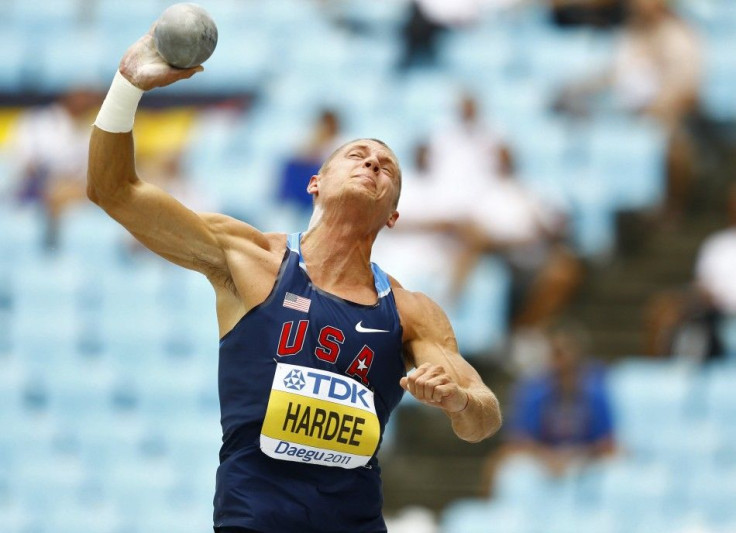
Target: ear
(392, 219)
(313, 185)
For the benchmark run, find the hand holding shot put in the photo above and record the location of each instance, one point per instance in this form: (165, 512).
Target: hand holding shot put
(177, 44)
(315, 340)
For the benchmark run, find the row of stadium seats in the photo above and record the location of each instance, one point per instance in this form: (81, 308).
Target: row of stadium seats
(41, 40)
(131, 464)
(93, 294)
(676, 471)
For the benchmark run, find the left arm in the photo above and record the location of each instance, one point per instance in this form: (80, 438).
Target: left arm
(443, 378)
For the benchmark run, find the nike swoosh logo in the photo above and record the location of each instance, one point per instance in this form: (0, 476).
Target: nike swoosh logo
(360, 329)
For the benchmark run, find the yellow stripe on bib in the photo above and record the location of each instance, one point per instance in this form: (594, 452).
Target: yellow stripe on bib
(321, 424)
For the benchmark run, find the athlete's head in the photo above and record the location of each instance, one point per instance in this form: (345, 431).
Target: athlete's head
(364, 169)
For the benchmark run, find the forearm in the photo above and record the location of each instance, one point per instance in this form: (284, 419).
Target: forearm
(111, 154)
(111, 164)
(481, 418)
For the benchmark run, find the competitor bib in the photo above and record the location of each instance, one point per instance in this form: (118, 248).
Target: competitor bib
(315, 416)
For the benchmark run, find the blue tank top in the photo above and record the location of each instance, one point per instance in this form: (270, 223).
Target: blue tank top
(351, 351)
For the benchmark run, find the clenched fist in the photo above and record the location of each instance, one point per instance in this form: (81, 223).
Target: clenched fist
(432, 385)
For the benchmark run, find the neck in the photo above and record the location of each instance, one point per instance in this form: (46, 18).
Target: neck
(337, 251)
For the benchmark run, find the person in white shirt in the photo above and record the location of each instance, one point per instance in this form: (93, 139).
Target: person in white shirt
(509, 220)
(687, 322)
(656, 72)
(49, 155)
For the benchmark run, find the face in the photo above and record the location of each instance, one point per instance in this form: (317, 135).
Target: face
(564, 362)
(469, 109)
(362, 169)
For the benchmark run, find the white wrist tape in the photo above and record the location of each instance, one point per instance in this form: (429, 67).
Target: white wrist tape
(118, 110)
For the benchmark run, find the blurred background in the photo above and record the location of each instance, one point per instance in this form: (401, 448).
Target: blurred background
(568, 198)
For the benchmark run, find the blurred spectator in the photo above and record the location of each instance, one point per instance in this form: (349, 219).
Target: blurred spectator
(450, 172)
(420, 250)
(465, 204)
(469, 149)
(324, 139)
(507, 219)
(428, 20)
(50, 154)
(561, 417)
(656, 73)
(687, 322)
(592, 13)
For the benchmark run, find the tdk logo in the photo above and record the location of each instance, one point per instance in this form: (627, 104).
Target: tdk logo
(337, 388)
(294, 380)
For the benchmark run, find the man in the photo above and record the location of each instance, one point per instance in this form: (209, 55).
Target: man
(562, 417)
(656, 73)
(315, 339)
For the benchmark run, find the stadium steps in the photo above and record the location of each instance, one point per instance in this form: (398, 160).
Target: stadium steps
(613, 299)
(426, 464)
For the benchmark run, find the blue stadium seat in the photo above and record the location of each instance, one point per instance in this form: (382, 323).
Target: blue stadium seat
(719, 77)
(422, 90)
(382, 18)
(182, 519)
(78, 388)
(15, 65)
(592, 219)
(711, 495)
(586, 53)
(243, 61)
(468, 54)
(635, 491)
(59, 66)
(41, 481)
(15, 518)
(720, 398)
(628, 160)
(43, 338)
(522, 480)
(89, 236)
(540, 146)
(480, 318)
(41, 19)
(71, 515)
(168, 392)
(482, 516)
(648, 396)
(717, 17)
(575, 520)
(21, 231)
(124, 22)
(112, 435)
(140, 484)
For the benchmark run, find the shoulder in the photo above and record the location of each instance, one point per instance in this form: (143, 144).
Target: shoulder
(234, 233)
(410, 303)
(421, 317)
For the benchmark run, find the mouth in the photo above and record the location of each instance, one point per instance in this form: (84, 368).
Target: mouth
(366, 177)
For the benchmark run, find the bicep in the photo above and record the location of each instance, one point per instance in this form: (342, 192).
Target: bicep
(430, 339)
(153, 216)
(167, 227)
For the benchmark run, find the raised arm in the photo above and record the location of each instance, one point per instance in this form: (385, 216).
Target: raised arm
(154, 217)
(443, 378)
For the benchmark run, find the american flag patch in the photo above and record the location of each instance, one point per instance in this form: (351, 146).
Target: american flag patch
(292, 301)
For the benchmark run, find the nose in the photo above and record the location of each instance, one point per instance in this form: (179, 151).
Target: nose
(372, 163)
